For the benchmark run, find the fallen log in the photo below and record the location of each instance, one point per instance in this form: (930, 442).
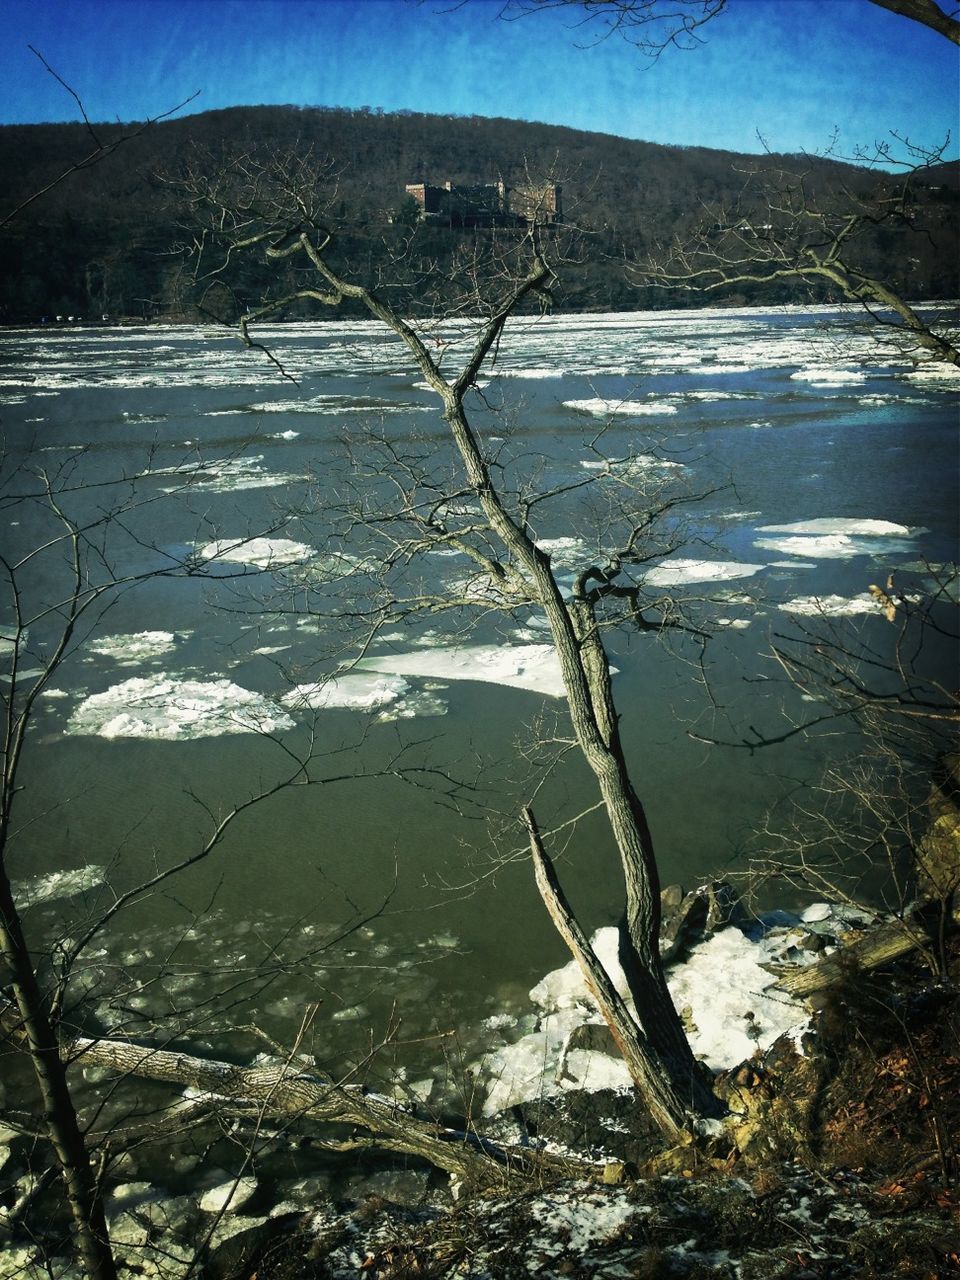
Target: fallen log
(287, 1091)
(879, 946)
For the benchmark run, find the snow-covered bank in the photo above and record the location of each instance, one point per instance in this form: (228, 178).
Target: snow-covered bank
(727, 1021)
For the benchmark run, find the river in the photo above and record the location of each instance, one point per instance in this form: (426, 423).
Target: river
(399, 881)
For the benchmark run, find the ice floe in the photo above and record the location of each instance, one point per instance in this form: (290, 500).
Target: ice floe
(673, 573)
(391, 697)
(834, 539)
(357, 690)
(631, 408)
(258, 553)
(528, 666)
(832, 606)
(829, 377)
(849, 527)
(630, 468)
(162, 707)
(129, 650)
(224, 475)
(58, 884)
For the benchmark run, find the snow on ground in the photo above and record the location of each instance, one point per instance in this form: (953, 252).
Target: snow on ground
(258, 553)
(727, 1021)
(526, 666)
(163, 707)
(671, 573)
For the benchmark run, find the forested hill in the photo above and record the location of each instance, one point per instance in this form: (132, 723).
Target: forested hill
(106, 240)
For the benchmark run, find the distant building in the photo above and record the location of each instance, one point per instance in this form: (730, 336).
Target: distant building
(491, 204)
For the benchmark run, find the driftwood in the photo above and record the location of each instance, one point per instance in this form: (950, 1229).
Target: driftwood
(877, 947)
(287, 1091)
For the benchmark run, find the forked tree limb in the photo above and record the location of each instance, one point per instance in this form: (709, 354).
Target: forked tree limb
(645, 1068)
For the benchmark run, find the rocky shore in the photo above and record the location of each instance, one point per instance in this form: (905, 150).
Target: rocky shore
(838, 1157)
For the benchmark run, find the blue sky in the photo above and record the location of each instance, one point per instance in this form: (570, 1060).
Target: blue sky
(792, 71)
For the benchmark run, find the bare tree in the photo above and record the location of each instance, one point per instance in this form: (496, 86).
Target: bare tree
(655, 25)
(877, 831)
(480, 509)
(78, 546)
(781, 230)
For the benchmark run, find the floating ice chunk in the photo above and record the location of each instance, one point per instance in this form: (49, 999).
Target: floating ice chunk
(59, 884)
(831, 606)
(223, 475)
(631, 408)
(830, 538)
(527, 666)
(829, 377)
(937, 373)
(632, 467)
(259, 553)
(285, 435)
(128, 650)
(160, 707)
(357, 690)
(708, 397)
(672, 573)
(851, 528)
(833, 546)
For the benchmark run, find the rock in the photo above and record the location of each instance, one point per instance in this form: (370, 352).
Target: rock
(811, 942)
(938, 854)
(131, 1194)
(238, 1245)
(409, 1187)
(229, 1196)
(696, 916)
(593, 1036)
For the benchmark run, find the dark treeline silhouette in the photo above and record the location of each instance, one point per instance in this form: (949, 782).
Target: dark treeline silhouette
(108, 240)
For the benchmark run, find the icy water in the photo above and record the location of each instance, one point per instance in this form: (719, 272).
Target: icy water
(830, 466)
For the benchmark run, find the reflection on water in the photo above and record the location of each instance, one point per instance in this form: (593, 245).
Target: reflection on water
(828, 467)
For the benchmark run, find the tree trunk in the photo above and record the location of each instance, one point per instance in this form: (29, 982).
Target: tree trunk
(878, 947)
(59, 1113)
(288, 1091)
